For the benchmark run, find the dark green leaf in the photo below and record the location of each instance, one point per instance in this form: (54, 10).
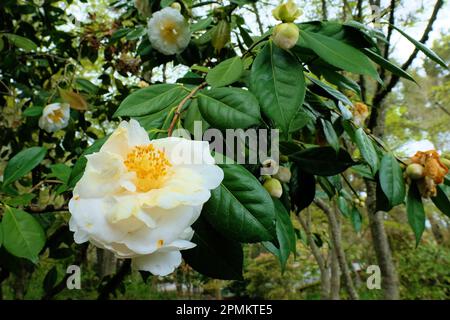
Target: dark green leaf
(416, 212)
(225, 73)
(21, 42)
(151, 100)
(330, 134)
(23, 236)
(391, 180)
(278, 82)
(428, 52)
(50, 279)
(285, 233)
(214, 256)
(356, 219)
(344, 207)
(302, 187)
(22, 163)
(367, 149)
(388, 65)
(321, 161)
(240, 208)
(330, 92)
(33, 111)
(338, 54)
(229, 108)
(441, 201)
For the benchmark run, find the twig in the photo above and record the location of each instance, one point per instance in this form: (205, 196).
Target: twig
(180, 106)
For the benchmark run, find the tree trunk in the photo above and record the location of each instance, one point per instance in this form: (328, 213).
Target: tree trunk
(389, 281)
(335, 285)
(106, 263)
(337, 243)
(324, 271)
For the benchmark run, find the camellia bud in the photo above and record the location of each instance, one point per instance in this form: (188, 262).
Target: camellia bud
(285, 35)
(415, 171)
(176, 6)
(283, 174)
(220, 35)
(287, 12)
(273, 186)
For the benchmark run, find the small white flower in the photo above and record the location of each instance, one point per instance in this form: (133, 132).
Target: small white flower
(138, 198)
(168, 31)
(54, 117)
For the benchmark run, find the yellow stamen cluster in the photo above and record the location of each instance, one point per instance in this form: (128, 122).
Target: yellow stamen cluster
(169, 31)
(150, 166)
(56, 116)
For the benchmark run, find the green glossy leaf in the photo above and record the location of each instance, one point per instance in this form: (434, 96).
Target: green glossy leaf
(33, 112)
(337, 53)
(225, 73)
(302, 188)
(229, 108)
(388, 65)
(321, 161)
(151, 100)
(21, 42)
(441, 201)
(428, 52)
(330, 92)
(330, 134)
(356, 218)
(340, 81)
(344, 207)
(416, 212)
(22, 163)
(21, 200)
(278, 82)
(192, 115)
(1, 234)
(240, 208)
(367, 149)
(214, 256)
(50, 279)
(86, 85)
(285, 233)
(23, 236)
(61, 172)
(391, 180)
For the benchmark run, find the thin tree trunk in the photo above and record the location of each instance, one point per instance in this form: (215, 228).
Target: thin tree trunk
(324, 271)
(335, 282)
(324, 10)
(336, 239)
(380, 242)
(106, 263)
(436, 229)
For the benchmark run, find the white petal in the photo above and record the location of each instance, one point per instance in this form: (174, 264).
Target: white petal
(136, 134)
(158, 263)
(170, 224)
(90, 217)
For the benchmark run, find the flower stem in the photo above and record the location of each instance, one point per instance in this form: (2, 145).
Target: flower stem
(180, 106)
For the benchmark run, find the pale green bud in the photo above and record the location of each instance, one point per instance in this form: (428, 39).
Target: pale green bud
(415, 171)
(285, 35)
(287, 12)
(273, 186)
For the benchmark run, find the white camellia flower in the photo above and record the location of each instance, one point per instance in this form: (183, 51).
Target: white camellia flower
(138, 198)
(168, 31)
(55, 116)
